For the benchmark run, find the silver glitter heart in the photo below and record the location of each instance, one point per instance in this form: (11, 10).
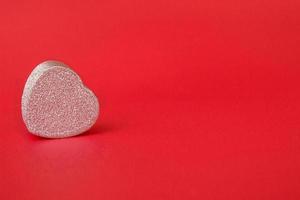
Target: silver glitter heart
(55, 102)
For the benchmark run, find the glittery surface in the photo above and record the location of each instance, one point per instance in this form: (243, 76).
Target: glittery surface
(56, 104)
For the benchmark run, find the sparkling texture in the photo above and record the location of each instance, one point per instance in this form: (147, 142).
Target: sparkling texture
(55, 102)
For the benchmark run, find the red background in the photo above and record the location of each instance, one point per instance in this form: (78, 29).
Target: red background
(199, 99)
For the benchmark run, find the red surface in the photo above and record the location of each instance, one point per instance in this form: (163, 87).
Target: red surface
(199, 99)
